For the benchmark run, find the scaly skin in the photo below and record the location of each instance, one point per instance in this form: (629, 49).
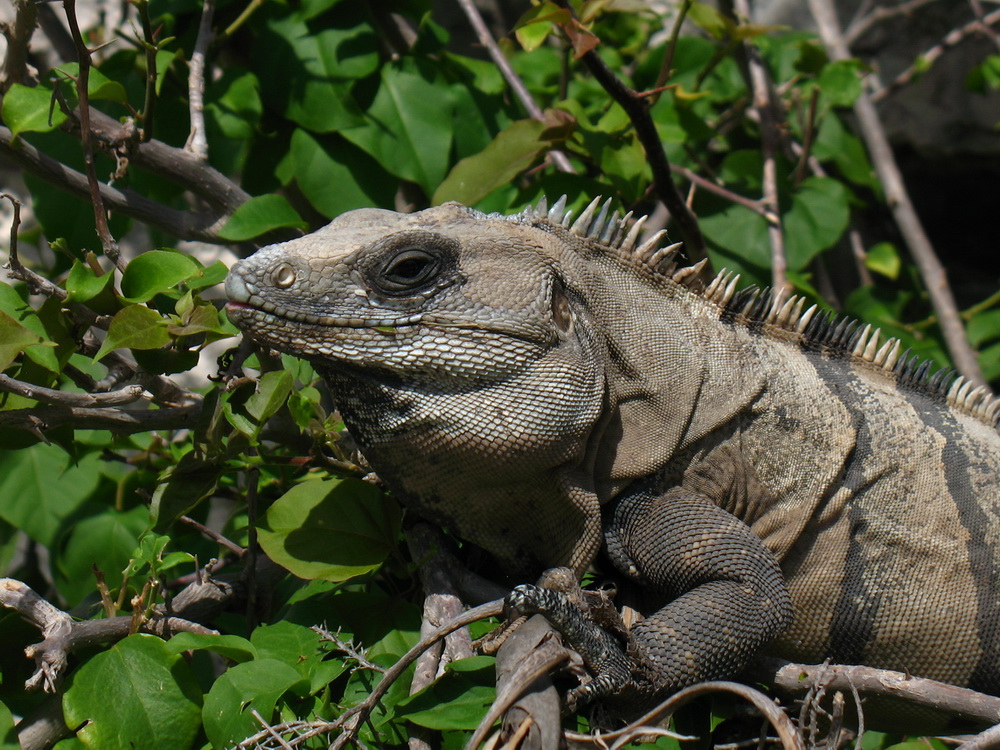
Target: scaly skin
(547, 391)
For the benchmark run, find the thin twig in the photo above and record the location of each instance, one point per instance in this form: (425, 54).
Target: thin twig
(668, 56)
(183, 224)
(559, 159)
(149, 47)
(82, 82)
(858, 28)
(636, 107)
(197, 142)
(900, 204)
(924, 60)
(18, 34)
(756, 206)
(50, 396)
(215, 536)
(977, 9)
(766, 109)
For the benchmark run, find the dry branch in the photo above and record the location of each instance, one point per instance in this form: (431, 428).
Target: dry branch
(18, 34)
(513, 80)
(796, 679)
(766, 108)
(637, 109)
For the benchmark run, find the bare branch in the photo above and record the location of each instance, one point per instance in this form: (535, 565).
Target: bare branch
(197, 143)
(149, 48)
(988, 739)
(184, 224)
(15, 64)
(119, 421)
(108, 242)
(927, 58)
(636, 108)
(711, 187)
(766, 109)
(900, 204)
(175, 164)
(513, 80)
(796, 679)
(351, 720)
(880, 14)
(51, 396)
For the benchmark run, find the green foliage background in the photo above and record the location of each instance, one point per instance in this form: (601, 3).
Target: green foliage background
(315, 108)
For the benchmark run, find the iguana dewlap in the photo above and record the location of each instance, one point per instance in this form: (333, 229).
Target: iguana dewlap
(549, 389)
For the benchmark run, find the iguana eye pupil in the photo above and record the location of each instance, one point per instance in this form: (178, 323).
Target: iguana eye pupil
(409, 269)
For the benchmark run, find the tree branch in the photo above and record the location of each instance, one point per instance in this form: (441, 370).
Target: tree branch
(765, 107)
(636, 108)
(184, 224)
(927, 58)
(900, 204)
(18, 34)
(197, 143)
(796, 679)
(559, 159)
(120, 421)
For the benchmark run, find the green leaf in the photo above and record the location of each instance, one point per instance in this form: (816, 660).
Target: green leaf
(840, 82)
(254, 685)
(457, 700)
(272, 391)
(983, 328)
(27, 110)
(135, 694)
(515, 149)
(188, 483)
(408, 126)
(308, 72)
(741, 231)
(154, 272)
(135, 327)
(817, 218)
(299, 647)
(14, 339)
(883, 258)
(233, 647)
(336, 176)
(985, 77)
(99, 86)
(259, 215)
(107, 540)
(8, 733)
(333, 529)
(234, 104)
(83, 284)
(39, 489)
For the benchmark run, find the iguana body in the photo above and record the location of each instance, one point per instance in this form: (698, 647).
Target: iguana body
(549, 390)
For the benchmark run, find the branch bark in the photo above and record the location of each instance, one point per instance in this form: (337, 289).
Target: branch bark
(559, 159)
(900, 204)
(637, 110)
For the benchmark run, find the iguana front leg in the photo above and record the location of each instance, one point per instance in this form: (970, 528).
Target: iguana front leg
(728, 597)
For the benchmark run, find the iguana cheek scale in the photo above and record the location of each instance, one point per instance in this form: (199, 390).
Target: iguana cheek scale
(779, 480)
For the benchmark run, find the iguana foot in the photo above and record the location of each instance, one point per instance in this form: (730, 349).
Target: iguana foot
(603, 655)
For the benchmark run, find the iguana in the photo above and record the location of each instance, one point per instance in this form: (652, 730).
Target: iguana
(552, 390)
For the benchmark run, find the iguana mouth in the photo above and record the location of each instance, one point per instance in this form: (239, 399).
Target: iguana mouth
(268, 311)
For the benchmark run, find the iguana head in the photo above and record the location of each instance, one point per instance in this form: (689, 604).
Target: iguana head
(470, 356)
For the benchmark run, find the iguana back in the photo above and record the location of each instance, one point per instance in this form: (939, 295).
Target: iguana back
(550, 389)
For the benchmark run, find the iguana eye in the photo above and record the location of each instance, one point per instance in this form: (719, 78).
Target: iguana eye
(408, 269)
(283, 276)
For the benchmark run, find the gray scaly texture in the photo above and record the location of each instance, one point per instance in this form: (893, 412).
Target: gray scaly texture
(549, 389)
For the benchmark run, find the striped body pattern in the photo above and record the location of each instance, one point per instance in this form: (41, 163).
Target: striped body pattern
(559, 392)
